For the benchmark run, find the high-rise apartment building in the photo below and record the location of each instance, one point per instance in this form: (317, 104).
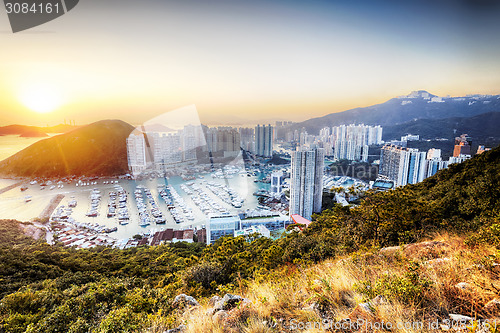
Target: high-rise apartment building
(352, 142)
(163, 150)
(223, 140)
(410, 166)
(277, 179)
(247, 136)
(463, 144)
(136, 152)
(264, 140)
(403, 165)
(306, 183)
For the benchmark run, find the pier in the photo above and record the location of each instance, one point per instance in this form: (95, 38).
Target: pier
(10, 187)
(47, 212)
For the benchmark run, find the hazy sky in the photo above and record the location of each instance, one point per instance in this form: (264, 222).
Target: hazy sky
(271, 59)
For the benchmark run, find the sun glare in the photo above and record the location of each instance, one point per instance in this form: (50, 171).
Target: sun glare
(41, 98)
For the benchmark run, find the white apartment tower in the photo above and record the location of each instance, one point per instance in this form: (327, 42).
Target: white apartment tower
(306, 183)
(136, 152)
(264, 140)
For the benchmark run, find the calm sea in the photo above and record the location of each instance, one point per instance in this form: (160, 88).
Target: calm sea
(11, 144)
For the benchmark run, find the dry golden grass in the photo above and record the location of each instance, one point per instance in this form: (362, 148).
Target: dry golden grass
(333, 290)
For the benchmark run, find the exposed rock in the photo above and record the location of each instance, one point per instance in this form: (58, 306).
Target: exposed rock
(220, 316)
(183, 300)
(312, 307)
(214, 300)
(179, 329)
(362, 311)
(389, 250)
(460, 318)
(437, 262)
(493, 307)
(378, 300)
(462, 285)
(432, 249)
(227, 302)
(366, 311)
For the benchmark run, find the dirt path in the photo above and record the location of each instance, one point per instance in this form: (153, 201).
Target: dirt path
(47, 212)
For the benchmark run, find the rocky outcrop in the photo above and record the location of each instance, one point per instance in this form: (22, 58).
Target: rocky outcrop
(493, 307)
(181, 328)
(183, 300)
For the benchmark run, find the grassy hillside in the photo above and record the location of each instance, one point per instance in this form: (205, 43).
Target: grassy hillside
(412, 287)
(333, 270)
(96, 149)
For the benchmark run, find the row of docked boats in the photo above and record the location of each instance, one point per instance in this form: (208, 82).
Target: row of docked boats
(117, 205)
(144, 218)
(156, 213)
(95, 202)
(206, 204)
(227, 194)
(175, 204)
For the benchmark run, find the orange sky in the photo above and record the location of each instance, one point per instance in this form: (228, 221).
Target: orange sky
(240, 62)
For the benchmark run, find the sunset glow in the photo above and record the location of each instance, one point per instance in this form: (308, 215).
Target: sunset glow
(41, 98)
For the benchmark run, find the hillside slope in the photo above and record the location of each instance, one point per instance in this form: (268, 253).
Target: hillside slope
(480, 127)
(34, 131)
(97, 149)
(417, 105)
(333, 270)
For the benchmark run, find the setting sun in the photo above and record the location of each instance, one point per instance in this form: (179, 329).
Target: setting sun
(41, 98)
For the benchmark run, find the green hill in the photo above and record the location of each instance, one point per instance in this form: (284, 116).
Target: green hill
(56, 289)
(97, 149)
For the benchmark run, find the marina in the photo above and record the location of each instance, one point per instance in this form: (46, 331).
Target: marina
(130, 207)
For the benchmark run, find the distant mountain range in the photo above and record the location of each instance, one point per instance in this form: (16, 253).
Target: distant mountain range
(417, 105)
(480, 127)
(98, 149)
(34, 131)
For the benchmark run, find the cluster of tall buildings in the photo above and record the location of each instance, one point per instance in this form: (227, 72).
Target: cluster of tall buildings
(349, 142)
(409, 165)
(152, 147)
(225, 141)
(163, 150)
(352, 142)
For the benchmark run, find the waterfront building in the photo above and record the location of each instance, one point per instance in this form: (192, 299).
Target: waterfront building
(264, 140)
(254, 229)
(277, 180)
(136, 152)
(306, 183)
(220, 226)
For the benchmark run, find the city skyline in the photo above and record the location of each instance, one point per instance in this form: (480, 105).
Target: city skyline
(243, 62)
